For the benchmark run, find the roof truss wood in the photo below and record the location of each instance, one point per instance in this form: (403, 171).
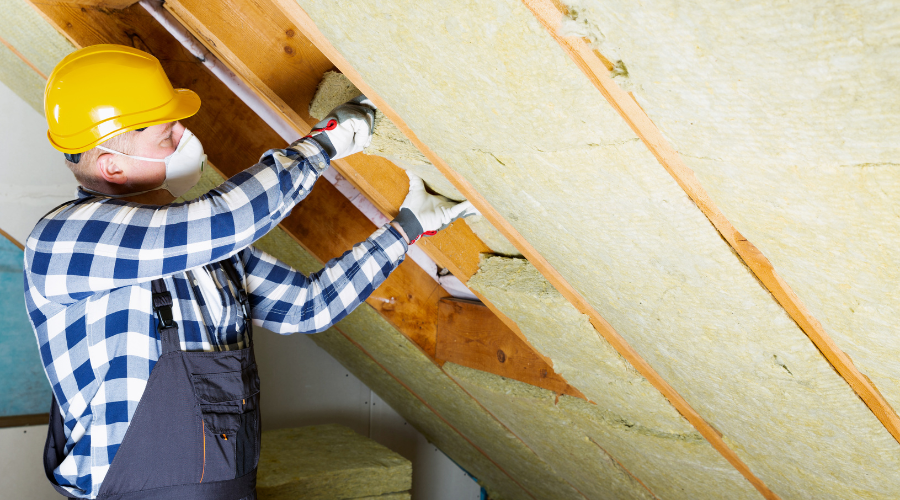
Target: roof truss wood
(326, 224)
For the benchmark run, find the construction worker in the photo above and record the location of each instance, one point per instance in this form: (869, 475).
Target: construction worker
(143, 307)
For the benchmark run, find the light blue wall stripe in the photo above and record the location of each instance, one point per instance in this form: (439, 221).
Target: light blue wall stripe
(24, 389)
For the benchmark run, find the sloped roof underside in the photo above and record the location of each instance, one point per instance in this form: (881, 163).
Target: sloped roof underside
(488, 89)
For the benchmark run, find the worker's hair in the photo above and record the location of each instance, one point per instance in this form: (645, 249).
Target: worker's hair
(85, 170)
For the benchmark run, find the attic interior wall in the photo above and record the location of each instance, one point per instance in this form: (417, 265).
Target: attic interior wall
(636, 424)
(796, 142)
(492, 94)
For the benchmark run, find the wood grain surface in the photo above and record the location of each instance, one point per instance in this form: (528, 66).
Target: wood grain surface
(469, 334)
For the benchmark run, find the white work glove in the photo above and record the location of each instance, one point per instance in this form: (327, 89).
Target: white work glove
(347, 129)
(424, 214)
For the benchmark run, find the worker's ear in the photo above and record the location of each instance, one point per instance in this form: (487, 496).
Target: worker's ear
(110, 170)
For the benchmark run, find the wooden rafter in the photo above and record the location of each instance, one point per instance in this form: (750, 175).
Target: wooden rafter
(284, 68)
(11, 239)
(325, 223)
(308, 27)
(551, 13)
(25, 420)
(470, 335)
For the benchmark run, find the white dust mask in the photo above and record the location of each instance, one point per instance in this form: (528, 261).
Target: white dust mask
(183, 167)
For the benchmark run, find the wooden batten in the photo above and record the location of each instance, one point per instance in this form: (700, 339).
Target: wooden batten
(24, 420)
(550, 14)
(12, 240)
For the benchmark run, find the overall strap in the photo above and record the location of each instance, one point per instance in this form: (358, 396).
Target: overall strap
(162, 306)
(235, 278)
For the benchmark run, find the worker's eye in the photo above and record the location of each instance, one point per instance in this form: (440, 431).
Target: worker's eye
(140, 129)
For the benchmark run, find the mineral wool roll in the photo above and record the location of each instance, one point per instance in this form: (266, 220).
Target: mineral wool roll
(328, 462)
(389, 142)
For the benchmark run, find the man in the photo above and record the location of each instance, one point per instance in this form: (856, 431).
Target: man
(142, 307)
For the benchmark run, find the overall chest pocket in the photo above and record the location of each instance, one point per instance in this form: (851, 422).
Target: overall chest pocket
(229, 411)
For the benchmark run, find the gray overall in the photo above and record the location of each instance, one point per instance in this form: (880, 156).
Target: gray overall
(196, 433)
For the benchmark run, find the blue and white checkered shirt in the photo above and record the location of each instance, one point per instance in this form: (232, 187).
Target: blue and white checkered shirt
(88, 269)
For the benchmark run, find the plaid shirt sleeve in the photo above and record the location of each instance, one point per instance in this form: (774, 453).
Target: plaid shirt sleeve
(103, 243)
(285, 301)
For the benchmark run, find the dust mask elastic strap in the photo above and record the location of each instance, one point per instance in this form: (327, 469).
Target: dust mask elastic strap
(184, 167)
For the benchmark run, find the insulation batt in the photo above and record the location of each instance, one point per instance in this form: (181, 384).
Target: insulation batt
(389, 142)
(789, 114)
(492, 93)
(532, 414)
(636, 425)
(325, 462)
(37, 41)
(414, 411)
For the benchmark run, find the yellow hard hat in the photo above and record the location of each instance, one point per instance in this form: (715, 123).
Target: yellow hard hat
(101, 91)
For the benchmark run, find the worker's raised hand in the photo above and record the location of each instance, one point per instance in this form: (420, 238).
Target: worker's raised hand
(424, 214)
(347, 129)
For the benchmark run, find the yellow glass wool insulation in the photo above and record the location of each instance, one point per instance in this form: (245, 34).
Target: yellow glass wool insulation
(638, 425)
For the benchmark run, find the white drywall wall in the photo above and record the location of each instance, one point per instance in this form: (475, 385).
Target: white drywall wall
(22, 466)
(33, 177)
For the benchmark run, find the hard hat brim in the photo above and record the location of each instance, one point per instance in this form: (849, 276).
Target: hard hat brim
(186, 103)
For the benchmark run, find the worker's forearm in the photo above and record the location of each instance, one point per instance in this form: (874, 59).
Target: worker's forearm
(104, 244)
(286, 301)
(401, 231)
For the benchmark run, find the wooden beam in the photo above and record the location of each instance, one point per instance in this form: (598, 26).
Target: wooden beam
(469, 334)
(325, 223)
(105, 4)
(302, 20)
(12, 240)
(256, 41)
(551, 13)
(24, 420)
(283, 67)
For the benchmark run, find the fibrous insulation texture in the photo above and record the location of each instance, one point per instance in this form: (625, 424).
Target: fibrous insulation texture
(327, 462)
(389, 142)
(36, 41)
(789, 115)
(488, 89)
(635, 424)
